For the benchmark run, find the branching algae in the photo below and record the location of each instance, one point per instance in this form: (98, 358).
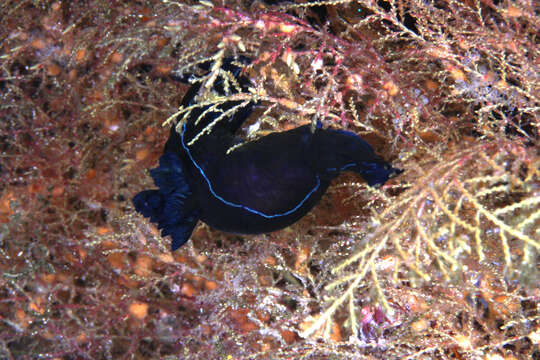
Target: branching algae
(261, 186)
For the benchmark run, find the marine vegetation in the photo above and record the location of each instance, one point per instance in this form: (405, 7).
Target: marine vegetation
(440, 262)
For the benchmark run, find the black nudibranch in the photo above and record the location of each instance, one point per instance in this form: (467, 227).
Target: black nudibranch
(261, 186)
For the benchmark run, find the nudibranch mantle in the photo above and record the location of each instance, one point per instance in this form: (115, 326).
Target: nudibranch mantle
(244, 207)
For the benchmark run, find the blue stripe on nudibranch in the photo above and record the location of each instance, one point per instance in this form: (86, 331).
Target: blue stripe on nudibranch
(240, 205)
(343, 168)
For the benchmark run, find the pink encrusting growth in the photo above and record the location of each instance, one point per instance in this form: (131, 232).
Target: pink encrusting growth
(439, 263)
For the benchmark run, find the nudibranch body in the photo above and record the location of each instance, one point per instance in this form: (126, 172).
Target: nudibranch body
(261, 186)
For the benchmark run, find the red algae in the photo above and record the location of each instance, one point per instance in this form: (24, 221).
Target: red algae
(440, 263)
